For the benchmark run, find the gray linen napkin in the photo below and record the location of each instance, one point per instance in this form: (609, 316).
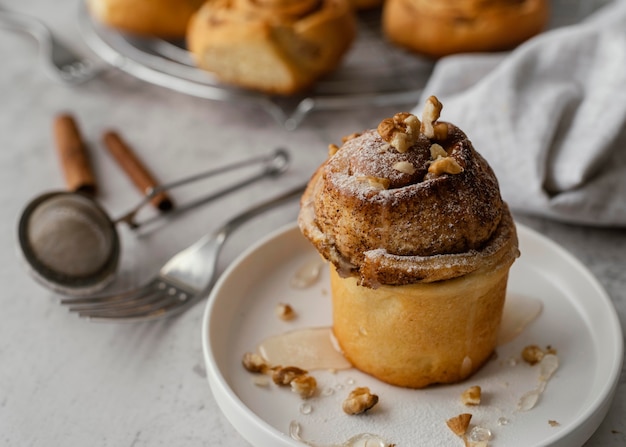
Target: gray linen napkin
(550, 117)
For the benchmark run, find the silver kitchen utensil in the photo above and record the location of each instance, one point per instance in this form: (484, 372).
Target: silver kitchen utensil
(71, 245)
(59, 62)
(186, 278)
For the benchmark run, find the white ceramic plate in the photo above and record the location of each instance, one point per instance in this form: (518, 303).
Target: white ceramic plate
(578, 320)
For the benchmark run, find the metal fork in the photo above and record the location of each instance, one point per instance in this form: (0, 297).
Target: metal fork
(186, 278)
(59, 62)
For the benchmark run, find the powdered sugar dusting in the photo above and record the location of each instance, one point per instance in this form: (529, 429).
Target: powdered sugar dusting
(385, 217)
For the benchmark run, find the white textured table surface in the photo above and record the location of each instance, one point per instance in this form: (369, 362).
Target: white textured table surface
(65, 381)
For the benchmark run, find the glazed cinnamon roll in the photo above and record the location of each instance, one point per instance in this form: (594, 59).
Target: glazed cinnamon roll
(274, 46)
(159, 18)
(445, 27)
(420, 244)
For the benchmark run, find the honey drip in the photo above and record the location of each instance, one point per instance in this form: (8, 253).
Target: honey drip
(308, 274)
(519, 312)
(309, 348)
(316, 348)
(361, 440)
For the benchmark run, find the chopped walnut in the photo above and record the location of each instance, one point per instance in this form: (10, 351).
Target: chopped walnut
(472, 395)
(386, 129)
(401, 142)
(332, 149)
(350, 137)
(304, 385)
(445, 165)
(283, 375)
(532, 354)
(284, 312)
(401, 131)
(254, 363)
(432, 110)
(359, 401)
(459, 424)
(436, 151)
(408, 122)
(553, 423)
(375, 182)
(405, 167)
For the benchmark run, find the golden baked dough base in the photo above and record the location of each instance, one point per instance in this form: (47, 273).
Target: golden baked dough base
(420, 334)
(159, 18)
(277, 47)
(440, 28)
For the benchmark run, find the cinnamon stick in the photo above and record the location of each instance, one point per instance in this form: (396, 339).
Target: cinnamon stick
(135, 169)
(73, 155)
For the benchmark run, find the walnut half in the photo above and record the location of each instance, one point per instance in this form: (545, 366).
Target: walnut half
(401, 131)
(359, 401)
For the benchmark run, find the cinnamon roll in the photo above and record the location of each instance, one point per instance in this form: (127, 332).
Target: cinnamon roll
(359, 5)
(420, 244)
(155, 18)
(445, 27)
(273, 46)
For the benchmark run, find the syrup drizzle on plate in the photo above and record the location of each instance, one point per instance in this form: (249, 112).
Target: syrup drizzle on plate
(315, 348)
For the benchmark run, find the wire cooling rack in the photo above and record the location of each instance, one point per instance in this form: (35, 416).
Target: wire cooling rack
(373, 73)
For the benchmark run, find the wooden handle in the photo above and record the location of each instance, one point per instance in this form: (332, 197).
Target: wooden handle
(73, 155)
(135, 169)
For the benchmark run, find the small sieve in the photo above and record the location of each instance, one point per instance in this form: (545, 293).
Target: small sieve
(71, 245)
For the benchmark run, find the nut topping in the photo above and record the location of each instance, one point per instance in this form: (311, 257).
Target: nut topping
(471, 396)
(304, 385)
(359, 401)
(436, 151)
(350, 137)
(332, 149)
(459, 424)
(533, 354)
(375, 182)
(401, 131)
(445, 165)
(432, 110)
(254, 363)
(405, 167)
(284, 312)
(283, 375)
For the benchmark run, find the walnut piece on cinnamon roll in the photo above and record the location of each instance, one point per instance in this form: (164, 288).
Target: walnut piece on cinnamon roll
(446, 27)
(274, 46)
(420, 244)
(155, 18)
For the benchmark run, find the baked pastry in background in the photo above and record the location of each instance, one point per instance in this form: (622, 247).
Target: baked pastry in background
(156, 18)
(277, 46)
(440, 28)
(359, 5)
(420, 244)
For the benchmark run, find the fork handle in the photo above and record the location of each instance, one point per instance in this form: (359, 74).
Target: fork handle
(200, 275)
(238, 220)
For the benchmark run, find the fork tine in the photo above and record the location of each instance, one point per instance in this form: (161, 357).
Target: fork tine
(158, 308)
(115, 297)
(147, 296)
